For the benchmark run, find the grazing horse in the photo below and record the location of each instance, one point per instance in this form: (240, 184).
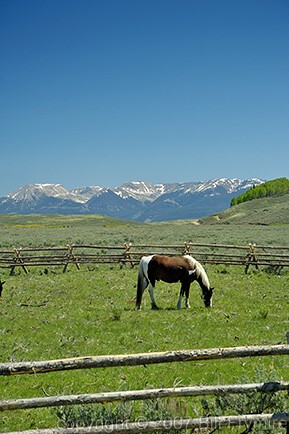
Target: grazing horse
(184, 269)
(1, 287)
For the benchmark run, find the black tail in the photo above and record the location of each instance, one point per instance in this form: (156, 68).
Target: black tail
(141, 285)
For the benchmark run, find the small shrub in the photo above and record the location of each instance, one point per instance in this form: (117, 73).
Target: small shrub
(250, 403)
(263, 313)
(115, 315)
(90, 415)
(124, 412)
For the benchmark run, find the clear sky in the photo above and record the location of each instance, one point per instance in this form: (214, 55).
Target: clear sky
(102, 92)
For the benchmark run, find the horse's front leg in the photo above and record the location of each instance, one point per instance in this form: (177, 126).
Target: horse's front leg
(187, 292)
(151, 291)
(187, 301)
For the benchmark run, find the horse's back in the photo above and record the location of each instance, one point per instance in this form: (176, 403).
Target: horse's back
(168, 268)
(170, 261)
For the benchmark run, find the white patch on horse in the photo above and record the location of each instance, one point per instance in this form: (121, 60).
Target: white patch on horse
(198, 269)
(145, 261)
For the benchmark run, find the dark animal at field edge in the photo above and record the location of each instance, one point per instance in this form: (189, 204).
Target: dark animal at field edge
(171, 269)
(1, 287)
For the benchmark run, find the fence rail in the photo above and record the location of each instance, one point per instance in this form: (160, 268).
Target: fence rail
(206, 423)
(211, 423)
(135, 395)
(89, 362)
(43, 367)
(276, 257)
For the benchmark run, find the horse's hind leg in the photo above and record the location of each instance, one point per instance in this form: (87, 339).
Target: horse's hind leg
(151, 291)
(179, 303)
(182, 292)
(141, 286)
(185, 290)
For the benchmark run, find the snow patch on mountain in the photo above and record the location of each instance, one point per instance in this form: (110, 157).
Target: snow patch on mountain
(140, 190)
(36, 191)
(85, 193)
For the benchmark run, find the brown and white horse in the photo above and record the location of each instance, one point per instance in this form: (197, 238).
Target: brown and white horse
(171, 269)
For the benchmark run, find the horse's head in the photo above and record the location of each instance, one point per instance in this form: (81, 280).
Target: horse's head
(207, 296)
(1, 287)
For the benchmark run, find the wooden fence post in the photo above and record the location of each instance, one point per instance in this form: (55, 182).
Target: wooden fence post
(18, 260)
(127, 255)
(187, 248)
(251, 257)
(70, 258)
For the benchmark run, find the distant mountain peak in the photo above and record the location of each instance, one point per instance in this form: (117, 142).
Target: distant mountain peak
(134, 200)
(140, 190)
(36, 190)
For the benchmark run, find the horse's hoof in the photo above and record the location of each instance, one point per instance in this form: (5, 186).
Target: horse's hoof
(155, 307)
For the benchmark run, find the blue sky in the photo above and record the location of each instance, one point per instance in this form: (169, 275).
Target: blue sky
(102, 92)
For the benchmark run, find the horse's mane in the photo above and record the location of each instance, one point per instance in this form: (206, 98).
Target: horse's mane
(199, 269)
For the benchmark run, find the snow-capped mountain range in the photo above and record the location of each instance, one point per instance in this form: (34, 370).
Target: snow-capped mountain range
(140, 201)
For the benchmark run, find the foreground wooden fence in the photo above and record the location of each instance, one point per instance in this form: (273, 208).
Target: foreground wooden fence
(41, 367)
(275, 257)
(209, 423)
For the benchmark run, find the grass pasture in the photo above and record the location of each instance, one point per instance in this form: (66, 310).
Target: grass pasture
(49, 315)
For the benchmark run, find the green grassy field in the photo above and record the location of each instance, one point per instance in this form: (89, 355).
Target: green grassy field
(91, 312)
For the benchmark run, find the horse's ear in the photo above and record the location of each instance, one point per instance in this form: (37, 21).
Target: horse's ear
(212, 289)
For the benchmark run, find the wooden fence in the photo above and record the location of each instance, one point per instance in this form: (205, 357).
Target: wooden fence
(275, 257)
(188, 356)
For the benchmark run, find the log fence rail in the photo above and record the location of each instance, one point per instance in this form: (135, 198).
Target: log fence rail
(275, 257)
(42, 367)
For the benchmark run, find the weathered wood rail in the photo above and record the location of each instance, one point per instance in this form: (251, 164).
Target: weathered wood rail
(89, 362)
(275, 257)
(137, 395)
(207, 423)
(42, 367)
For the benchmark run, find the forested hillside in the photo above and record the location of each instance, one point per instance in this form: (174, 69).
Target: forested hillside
(276, 187)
